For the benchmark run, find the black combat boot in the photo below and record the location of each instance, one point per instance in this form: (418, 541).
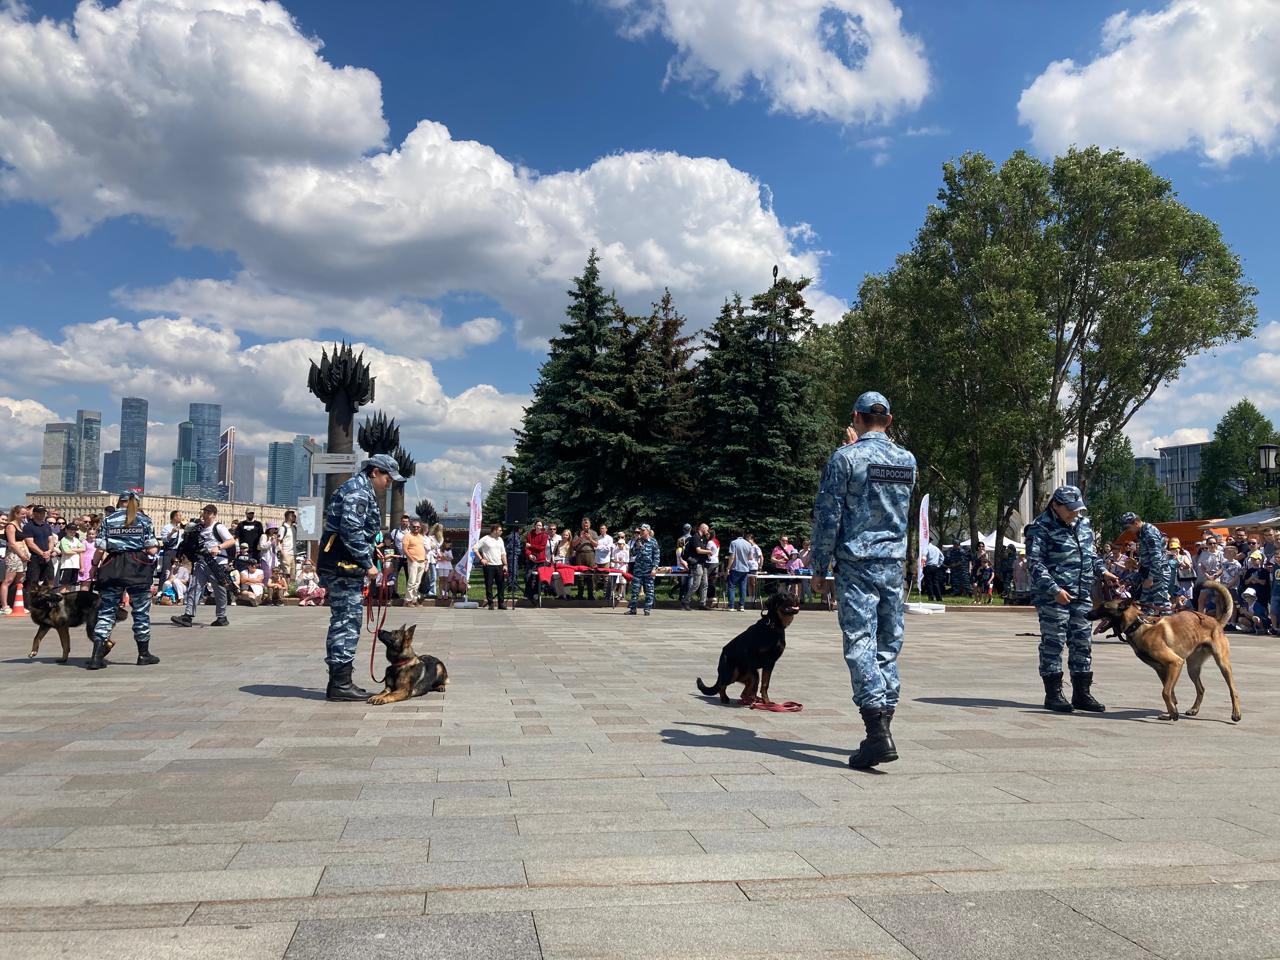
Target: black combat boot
(98, 660)
(145, 656)
(1053, 698)
(1081, 698)
(878, 747)
(183, 620)
(340, 685)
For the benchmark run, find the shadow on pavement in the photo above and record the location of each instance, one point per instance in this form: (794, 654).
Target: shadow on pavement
(279, 690)
(979, 702)
(748, 741)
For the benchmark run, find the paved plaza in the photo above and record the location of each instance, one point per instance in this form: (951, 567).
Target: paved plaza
(572, 796)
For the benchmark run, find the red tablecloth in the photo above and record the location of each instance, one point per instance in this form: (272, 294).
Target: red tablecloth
(567, 572)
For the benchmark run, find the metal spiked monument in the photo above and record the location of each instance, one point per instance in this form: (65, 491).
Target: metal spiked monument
(342, 382)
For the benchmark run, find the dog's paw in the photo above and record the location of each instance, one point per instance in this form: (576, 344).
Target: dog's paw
(1169, 716)
(31, 655)
(377, 701)
(1235, 718)
(1190, 712)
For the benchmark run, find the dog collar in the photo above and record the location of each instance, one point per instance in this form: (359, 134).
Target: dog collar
(1133, 628)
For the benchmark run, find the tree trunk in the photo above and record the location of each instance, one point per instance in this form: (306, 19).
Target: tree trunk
(341, 421)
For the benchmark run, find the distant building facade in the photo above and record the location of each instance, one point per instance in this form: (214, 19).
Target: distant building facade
(206, 432)
(243, 479)
(182, 475)
(55, 461)
(111, 470)
(1178, 471)
(132, 472)
(282, 474)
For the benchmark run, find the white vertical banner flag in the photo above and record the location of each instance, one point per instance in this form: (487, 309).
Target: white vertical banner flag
(924, 540)
(473, 531)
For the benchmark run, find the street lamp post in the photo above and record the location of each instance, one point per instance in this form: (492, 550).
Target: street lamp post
(1267, 453)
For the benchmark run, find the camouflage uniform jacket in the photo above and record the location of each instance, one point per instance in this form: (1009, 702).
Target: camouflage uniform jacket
(645, 558)
(116, 536)
(354, 515)
(1061, 557)
(1151, 551)
(863, 502)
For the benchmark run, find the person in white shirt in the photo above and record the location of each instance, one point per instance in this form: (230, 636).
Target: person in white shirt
(431, 575)
(251, 584)
(756, 563)
(619, 559)
(492, 552)
(741, 553)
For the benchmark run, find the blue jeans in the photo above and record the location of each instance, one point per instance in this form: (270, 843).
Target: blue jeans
(737, 583)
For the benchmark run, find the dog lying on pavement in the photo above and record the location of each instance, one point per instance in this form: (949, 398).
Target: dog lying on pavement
(1166, 644)
(53, 610)
(749, 657)
(408, 674)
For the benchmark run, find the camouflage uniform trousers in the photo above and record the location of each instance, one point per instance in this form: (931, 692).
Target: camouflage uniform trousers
(346, 617)
(112, 596)
(1065, 625)
(869, 598)
(642, 580)
(1155, 598)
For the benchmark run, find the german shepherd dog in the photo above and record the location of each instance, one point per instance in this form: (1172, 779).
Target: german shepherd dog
(51, 610)
(1166, 644)
(408, 675)
(749, 657)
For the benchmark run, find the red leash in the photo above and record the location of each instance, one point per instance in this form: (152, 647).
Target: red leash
(786, 706)
(380, 617)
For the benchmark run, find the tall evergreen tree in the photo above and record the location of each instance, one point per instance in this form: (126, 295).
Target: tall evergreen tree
(495, 501)
(571, 430)
(757, 452)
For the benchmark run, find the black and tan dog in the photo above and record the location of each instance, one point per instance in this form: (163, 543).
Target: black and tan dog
(51, 610)
(1166, 644)
(408, 675)
(750, 656)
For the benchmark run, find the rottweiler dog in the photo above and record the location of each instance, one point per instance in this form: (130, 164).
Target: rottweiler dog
(51, 610)
(408, 675)
(750, 656)
(1166, 644)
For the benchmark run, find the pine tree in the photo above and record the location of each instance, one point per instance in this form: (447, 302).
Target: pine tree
(757, 453)
(495, 501)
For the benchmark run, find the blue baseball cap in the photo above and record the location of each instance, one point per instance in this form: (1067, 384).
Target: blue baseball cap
(868, 400)
(1128, 518)
(384, 462)
(1069, 497)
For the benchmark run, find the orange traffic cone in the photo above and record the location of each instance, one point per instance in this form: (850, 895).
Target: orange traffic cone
(19, 610)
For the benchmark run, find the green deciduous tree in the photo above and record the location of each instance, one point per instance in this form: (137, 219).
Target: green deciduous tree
(1231, 481)
(1120, 485)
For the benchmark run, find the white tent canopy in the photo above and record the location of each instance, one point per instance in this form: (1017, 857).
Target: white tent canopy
(989, 541)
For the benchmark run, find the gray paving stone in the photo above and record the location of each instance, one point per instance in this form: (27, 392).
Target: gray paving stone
(1004, 926)
(240, 831)
(669, 869)
(31, 838)
(834, 862)
(578, 898)
(377, 828)
(1205, 828)
(1008, 832)
(121, 860)
(826, 928)
(1005, 812)
(607, 844)
(109, 889)
(265, 941)
(310, 908)
(1239, 921)
(96, 918)
(510, 936)
(798, 839)
(420, 875)
(1099, 856)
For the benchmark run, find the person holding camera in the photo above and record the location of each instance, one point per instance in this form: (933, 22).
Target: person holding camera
(208, 547)
(351, 521)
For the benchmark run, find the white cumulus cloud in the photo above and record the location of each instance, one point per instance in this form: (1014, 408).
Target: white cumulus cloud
(1201, 74)
(221, 121)
(849, 61)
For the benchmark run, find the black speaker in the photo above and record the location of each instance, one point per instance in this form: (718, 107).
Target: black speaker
(517, 508)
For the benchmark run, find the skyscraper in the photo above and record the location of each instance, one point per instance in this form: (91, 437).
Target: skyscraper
(111, 479)
(281, 475)
(304, 448)
(187, 441)
(242, 488)
(227, 456)
(54, 461)
(133, 444)
(183, 476)
(206, 430)
(86, 451)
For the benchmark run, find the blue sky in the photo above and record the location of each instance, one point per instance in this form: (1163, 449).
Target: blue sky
(197, 193)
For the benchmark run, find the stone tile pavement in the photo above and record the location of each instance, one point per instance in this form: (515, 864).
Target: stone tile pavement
(572, 796)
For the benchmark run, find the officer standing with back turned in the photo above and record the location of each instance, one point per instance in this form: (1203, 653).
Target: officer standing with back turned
(860, 522)
(124, 561)
(352, 518)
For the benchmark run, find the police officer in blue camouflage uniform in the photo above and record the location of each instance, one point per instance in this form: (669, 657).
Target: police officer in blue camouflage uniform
(644, 560)
(860, 523)
(1063, 563)
(124, 561)
(1153, 566)
(352, 518)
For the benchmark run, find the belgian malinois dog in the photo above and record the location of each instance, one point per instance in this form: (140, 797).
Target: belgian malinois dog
(52, 610)
(408, 675)
(1166, 644)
